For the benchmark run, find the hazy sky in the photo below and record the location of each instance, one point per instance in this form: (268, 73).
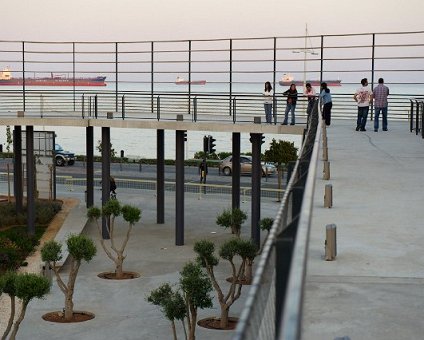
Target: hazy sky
(129, 20)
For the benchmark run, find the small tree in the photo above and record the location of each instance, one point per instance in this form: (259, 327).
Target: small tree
(28, 287)
(80, 247)
(99, 148)
(110, 211)
(205, 250)
(7, 286)
(247, 250)
(233, 218)
(196, 286)
(25, 287)
(265, 224)
(280, 153)
(172, 304)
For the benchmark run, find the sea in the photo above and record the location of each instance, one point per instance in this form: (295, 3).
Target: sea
(141, 143)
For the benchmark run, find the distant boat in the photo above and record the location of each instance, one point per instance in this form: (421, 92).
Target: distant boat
(182, 81)
(6, 79)
(287, 80)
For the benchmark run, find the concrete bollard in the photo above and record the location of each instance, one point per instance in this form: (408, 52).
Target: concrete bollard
(109, 115)
(326, 174)
(328, 196)
(325, 153)
(330, 242)
(21, 114)
(256, 120)
(180, 118)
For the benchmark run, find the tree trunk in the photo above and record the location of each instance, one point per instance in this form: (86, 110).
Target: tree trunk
(119, 271)
(174, 331)
(279, 175)
(11, 318)
(193, 312)
(18, 322)
(69, 306)
(248, 272)
(224, 317)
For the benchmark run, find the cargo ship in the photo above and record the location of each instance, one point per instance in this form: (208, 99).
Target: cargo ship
(182, 81)
(287, 80)
(6, 79)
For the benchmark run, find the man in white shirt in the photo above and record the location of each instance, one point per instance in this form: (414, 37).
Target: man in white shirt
(363, 97)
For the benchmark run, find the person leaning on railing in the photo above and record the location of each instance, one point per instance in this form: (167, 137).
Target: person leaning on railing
(326, 103)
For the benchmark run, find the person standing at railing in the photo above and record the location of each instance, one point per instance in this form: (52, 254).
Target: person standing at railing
(268, 102)
(363, 97)
(291, 94)
(326, 103)
(380, 95)
(310, 93)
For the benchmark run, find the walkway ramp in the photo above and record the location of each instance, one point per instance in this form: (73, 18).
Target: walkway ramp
(374, 289)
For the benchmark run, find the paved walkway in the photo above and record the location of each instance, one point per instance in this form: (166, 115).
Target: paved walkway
(375, 287)
(120, 307)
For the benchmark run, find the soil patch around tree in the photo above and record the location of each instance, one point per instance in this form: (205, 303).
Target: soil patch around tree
(112, 276)
(59, 317)
(214, 323)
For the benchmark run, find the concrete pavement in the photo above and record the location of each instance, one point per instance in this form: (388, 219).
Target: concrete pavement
(120, 306)
(375, 287)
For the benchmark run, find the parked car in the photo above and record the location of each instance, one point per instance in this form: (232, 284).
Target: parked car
(226, 166)
(63, 157)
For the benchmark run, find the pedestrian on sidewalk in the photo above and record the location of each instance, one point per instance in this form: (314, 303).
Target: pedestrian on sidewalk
(203, 171)
(291, 94)
(268, 98)
(326, 103)
(363, 97)
(380, 95)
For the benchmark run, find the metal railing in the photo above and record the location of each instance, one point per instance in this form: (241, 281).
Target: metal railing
(141, 75)
(416, 117)
(270, 311)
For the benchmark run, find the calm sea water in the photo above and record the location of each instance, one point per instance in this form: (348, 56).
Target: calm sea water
(141, 143)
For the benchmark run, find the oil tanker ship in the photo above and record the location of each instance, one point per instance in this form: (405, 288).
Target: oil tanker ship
(6, 79)
(287, 80)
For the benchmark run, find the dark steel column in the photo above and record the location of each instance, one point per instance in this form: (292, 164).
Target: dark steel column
(89, 145)
(105, 174)
(256, 187)
(30, 164)
(160, 176)
(17, 169)
(179, 187)
(236, 171)
(152, 78)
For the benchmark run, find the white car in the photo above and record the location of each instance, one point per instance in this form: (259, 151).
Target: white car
(226, 166)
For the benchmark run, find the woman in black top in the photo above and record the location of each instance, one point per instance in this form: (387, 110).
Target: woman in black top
(291, 94)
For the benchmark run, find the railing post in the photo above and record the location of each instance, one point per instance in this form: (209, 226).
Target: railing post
(83, 106)
(194, 118)
(158, 108)
(372, 74)
(234, 110)
(411, 116)
(116, 77)
(123, 107)
(417, 118)
(95, 106)
(274, 100)
(152, 78)
(189, 76)
(231, 74)
(23, 77)
(73, 74)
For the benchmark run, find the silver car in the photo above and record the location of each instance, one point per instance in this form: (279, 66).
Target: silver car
(226, 166)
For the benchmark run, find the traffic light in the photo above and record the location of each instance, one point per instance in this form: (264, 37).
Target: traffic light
(205, 144)
(212, 144)
(185, 136)
(262, 139)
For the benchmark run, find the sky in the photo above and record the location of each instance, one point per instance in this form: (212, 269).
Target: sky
(144, 20)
